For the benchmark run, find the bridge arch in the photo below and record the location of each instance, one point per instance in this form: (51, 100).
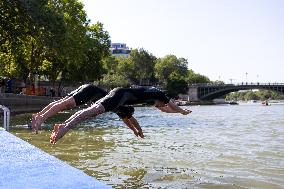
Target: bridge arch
(210, 92)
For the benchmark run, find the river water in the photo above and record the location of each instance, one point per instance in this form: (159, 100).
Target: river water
(220, 146)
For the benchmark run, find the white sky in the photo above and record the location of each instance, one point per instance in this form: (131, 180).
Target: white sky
(222, 39)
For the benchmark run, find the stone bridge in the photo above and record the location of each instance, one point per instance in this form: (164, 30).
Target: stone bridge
(209, 91)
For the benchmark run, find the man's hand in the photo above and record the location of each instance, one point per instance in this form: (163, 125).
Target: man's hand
(140, 133)
(186, 111)
(134, 126)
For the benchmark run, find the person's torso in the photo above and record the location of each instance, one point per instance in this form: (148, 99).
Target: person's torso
(144, 95)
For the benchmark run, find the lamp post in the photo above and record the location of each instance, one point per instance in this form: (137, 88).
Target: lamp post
(246, 77)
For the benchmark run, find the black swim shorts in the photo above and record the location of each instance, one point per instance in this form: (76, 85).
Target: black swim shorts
(86, 93)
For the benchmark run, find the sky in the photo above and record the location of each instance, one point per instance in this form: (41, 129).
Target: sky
(229, 40)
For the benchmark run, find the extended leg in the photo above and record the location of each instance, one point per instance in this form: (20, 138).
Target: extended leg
(52, 109)
(61, 129)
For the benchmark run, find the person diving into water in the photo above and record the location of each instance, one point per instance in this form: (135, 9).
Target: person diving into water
(81, 95)
(114, 101)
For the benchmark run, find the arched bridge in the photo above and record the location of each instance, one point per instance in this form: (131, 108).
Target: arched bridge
(211, 91)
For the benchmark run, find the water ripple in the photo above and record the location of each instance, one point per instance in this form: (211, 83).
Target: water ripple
(214, 147)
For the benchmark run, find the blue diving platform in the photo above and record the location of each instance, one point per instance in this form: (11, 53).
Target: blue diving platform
(25, 166)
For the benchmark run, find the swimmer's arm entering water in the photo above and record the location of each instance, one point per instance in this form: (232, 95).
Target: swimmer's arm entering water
(133, 124)
(171, 107)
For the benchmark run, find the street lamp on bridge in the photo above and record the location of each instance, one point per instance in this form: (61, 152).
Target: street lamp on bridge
(231, 80)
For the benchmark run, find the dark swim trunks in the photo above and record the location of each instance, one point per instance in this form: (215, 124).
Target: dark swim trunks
(124, 96)
(86, 93)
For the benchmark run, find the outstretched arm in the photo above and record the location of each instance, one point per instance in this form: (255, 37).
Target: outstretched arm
(172, 107)
(130, 126)
(133, 124)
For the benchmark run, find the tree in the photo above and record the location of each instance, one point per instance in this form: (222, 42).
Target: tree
(14, 21)
(110, 64)
(125, 68)
(193, 78)
(27, 32)
(52, 38)
(176, 85)
(111, 81)
(254, 95)
(143, 64)
(74, 44)
(168, 65)
(250, 95)
(97, 48)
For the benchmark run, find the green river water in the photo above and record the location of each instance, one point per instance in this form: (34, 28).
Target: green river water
(218, 146)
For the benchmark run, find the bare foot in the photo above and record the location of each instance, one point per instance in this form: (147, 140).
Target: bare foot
(59, 130)
(36, 122)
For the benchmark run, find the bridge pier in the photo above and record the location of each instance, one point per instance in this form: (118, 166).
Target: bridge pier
(193, 94)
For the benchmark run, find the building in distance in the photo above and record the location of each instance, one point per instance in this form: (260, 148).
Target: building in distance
(119, 49)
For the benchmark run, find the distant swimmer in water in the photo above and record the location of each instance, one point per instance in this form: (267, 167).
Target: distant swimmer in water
(115, 99)
(81, 95)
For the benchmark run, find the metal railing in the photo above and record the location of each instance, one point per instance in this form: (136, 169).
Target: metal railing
(6, 120)
(235, 84)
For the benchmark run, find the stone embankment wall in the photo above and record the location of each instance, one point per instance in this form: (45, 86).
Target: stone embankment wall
(18, 103)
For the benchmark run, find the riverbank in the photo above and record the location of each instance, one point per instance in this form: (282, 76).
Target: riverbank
(194, 103)
(25, 166)
(18, 103)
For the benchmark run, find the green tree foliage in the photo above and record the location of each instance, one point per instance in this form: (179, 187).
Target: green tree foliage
(52, 38)
(137, 68)
(250, 95)
(55, 39)
(218, 82)
(143, 65)
(125, 67)
(253, 95)
(110, 64)
(111, 81)
(117, 72)
(13, 21)
(176, 84)
(33, 25)
(97, 49)
(194, 78)
(172, 73)
(170, 65)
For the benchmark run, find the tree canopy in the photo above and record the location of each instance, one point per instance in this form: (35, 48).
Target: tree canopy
(253, 95)
(55, 40)
(52, 38)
